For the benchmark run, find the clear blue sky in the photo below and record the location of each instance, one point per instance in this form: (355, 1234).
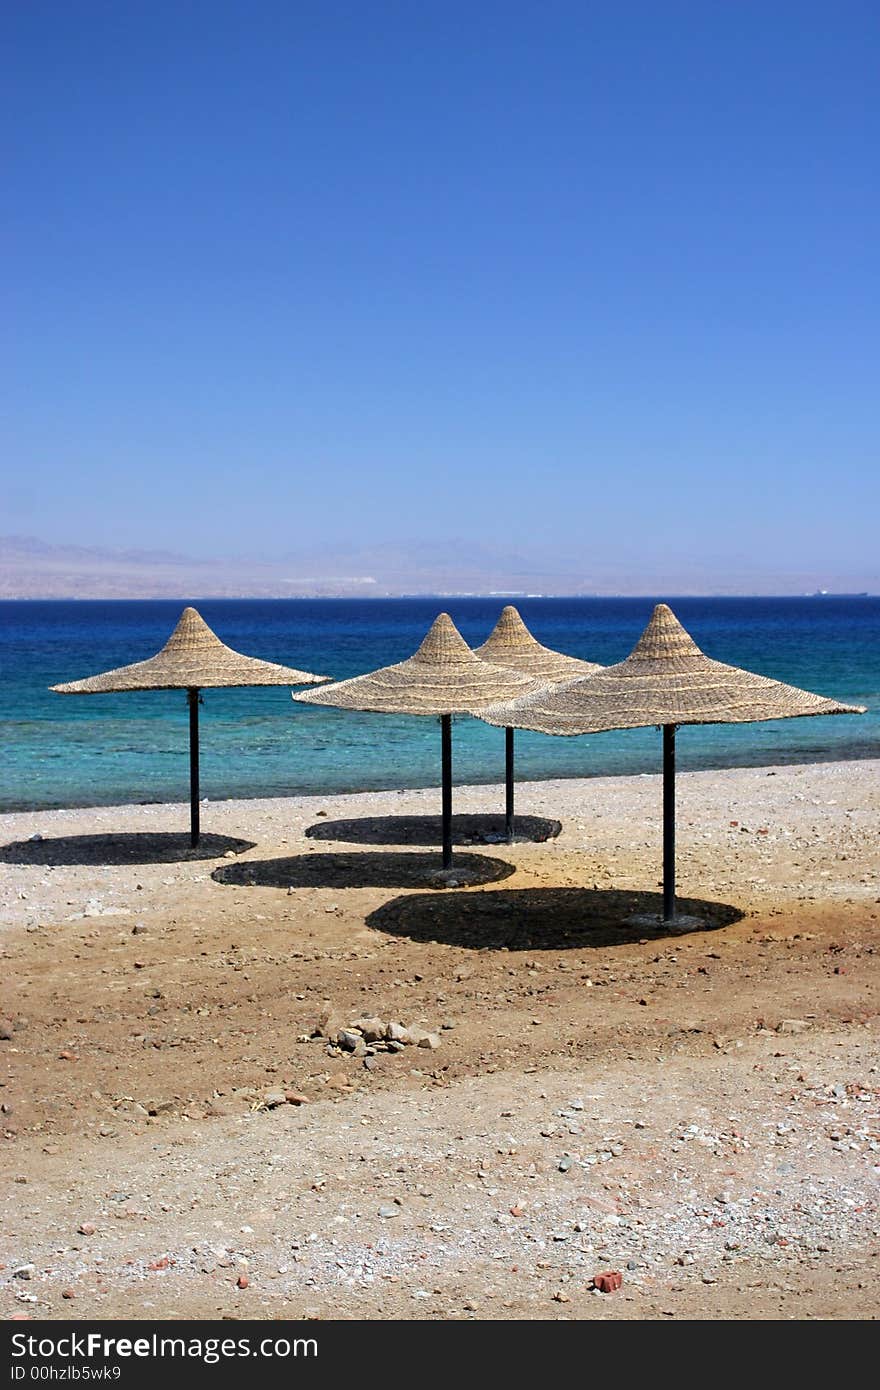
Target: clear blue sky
(588, 277)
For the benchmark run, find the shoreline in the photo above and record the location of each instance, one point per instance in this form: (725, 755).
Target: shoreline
(869, 756)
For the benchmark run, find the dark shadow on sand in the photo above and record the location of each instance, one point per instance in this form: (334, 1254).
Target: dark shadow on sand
(426, 830)
(535, 919)
(363, 870)
(146, 848)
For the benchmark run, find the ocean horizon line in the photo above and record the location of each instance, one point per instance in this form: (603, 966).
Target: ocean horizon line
(420, 596)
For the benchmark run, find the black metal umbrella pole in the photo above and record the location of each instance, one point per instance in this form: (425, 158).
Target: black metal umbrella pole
(668, 822)
(192, 696)
(446, 778)
(508, 785)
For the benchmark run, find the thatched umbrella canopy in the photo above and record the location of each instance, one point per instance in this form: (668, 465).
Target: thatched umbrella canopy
(192, 659)
(667, 681)
(511, 644)
(442, 678)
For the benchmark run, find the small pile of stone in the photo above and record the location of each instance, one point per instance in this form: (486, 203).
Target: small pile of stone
(368, 1036)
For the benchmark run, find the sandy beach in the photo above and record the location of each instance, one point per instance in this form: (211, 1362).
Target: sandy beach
(697, 1111)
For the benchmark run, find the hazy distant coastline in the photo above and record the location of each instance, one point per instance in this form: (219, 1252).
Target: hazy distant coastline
(34, 569)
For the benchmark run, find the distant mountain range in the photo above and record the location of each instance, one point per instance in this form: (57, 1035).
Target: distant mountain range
(31, 568)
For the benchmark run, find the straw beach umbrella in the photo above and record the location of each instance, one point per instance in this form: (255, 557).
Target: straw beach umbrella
(666, 681)
(511, 644)
(443, 678)
(192, 659)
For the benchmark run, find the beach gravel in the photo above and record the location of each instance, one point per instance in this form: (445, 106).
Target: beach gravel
(694, 1112)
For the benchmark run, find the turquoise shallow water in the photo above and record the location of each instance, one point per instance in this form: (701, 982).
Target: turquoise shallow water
(97, 750)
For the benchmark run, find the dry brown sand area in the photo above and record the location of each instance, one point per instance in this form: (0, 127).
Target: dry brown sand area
(698, 1111)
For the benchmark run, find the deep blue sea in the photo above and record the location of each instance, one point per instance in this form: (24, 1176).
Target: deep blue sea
(102, 749)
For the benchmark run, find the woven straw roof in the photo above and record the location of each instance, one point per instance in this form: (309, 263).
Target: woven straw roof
(511, 644)
(665, 680)
(192, 657)
(443, 677)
